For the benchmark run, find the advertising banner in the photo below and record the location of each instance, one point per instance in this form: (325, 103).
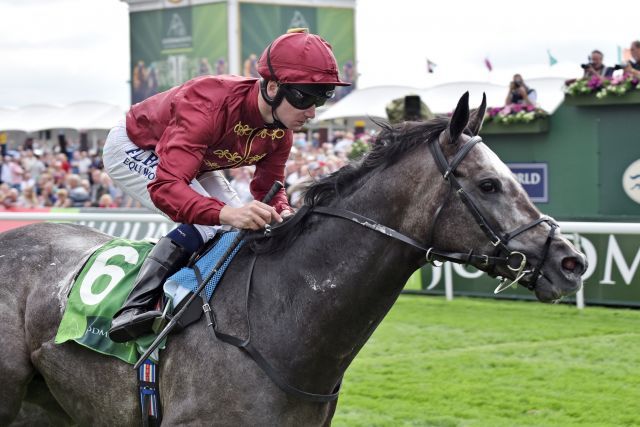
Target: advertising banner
(534, 178)
(134, 229)
(261, 23)
(172, 45)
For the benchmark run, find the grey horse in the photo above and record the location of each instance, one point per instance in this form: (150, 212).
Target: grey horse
(319, 290)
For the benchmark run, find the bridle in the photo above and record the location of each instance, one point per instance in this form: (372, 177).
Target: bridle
(515, 261)
(500, 243)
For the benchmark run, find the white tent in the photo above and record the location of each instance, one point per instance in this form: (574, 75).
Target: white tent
(372, 101)
(87, 115)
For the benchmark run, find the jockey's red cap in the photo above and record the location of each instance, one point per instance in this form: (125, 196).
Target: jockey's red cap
(300, 57)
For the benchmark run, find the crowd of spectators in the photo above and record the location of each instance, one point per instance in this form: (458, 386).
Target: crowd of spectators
(44, 177)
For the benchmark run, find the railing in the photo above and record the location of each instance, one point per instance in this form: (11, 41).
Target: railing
(80, 217)
(107, 222)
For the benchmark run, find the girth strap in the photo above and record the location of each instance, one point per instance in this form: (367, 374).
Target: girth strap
(247, 346)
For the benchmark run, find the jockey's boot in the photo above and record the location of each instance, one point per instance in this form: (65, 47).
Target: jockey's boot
(136, 316)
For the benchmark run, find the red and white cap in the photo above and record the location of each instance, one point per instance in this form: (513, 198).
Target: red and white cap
(301, 58)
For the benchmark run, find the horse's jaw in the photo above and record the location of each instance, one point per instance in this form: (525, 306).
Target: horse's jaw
(559, 285)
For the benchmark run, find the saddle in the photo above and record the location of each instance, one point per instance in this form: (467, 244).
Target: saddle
(102, 284)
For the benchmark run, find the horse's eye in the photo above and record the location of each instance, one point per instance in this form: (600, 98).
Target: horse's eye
(489, 186)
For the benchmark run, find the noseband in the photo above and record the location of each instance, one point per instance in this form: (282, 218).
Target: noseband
(515, 261)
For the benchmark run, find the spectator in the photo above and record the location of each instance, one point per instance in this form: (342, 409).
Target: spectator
(10, 198)
(5, 173)
(596, 67)
(64, 162)
(47, 197)
(633, 67)
(26, 182)
(78, 193)
(27, 160)
(62, 199)
(80, 163)
(98, 187)
(106, 202)
(520, 93)
(16, 171)
(28, 199)
(296, 189)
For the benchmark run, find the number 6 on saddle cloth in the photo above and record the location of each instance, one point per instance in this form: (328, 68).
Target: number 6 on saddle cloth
(101, 285)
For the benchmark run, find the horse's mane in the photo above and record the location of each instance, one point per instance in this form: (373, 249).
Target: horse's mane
(391, 144)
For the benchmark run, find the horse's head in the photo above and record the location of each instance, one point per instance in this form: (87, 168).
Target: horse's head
(491, 216)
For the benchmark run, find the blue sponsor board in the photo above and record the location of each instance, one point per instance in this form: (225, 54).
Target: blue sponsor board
(534, 179)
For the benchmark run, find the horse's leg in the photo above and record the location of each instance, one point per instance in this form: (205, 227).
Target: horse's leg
(331, 411)
(15, 367)
(39, 394)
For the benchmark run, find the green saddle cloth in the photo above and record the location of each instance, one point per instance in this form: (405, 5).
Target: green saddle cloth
(98, 292)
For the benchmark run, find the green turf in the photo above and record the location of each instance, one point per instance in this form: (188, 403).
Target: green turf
(480, 362)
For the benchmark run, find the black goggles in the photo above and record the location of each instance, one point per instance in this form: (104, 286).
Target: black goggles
(303, 96)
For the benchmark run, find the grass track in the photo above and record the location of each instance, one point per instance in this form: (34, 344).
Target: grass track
(481, 362)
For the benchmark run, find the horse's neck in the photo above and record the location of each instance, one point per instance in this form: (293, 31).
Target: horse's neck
(344, 278)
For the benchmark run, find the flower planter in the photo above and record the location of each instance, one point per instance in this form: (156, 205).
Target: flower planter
(590, 100)
(539, 125)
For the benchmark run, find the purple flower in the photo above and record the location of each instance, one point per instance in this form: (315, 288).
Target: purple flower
(594, 83)
(530, 107)
(493, 111)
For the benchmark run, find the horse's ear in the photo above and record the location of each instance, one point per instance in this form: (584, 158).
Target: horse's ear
(460, 118)
(478, 117)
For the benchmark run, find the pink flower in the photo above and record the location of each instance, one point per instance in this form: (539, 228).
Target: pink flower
(618, 80)
(493, 111)
(595, 83)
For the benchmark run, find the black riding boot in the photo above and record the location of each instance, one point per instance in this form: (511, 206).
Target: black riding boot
(136, 316)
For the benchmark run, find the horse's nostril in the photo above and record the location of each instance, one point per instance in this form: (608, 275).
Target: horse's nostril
(573, 265)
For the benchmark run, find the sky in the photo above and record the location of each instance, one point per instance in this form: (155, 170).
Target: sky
(64, 51)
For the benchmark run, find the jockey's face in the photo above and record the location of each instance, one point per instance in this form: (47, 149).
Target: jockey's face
(292, 117)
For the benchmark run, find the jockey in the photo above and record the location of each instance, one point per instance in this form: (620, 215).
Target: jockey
(169, 152)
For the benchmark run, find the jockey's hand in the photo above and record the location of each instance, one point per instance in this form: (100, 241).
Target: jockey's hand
(253, 216)
(287, 212)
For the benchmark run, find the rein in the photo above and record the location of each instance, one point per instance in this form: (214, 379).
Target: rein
(515, 261)
(247, 346)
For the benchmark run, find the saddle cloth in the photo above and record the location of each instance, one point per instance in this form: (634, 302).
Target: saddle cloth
(103, 284)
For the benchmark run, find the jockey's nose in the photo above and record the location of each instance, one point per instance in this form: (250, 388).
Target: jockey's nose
(310, 112)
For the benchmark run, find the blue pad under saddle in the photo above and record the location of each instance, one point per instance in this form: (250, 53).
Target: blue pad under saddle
(186, 277)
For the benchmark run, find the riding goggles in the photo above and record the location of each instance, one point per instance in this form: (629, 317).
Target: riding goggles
(303, 96)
